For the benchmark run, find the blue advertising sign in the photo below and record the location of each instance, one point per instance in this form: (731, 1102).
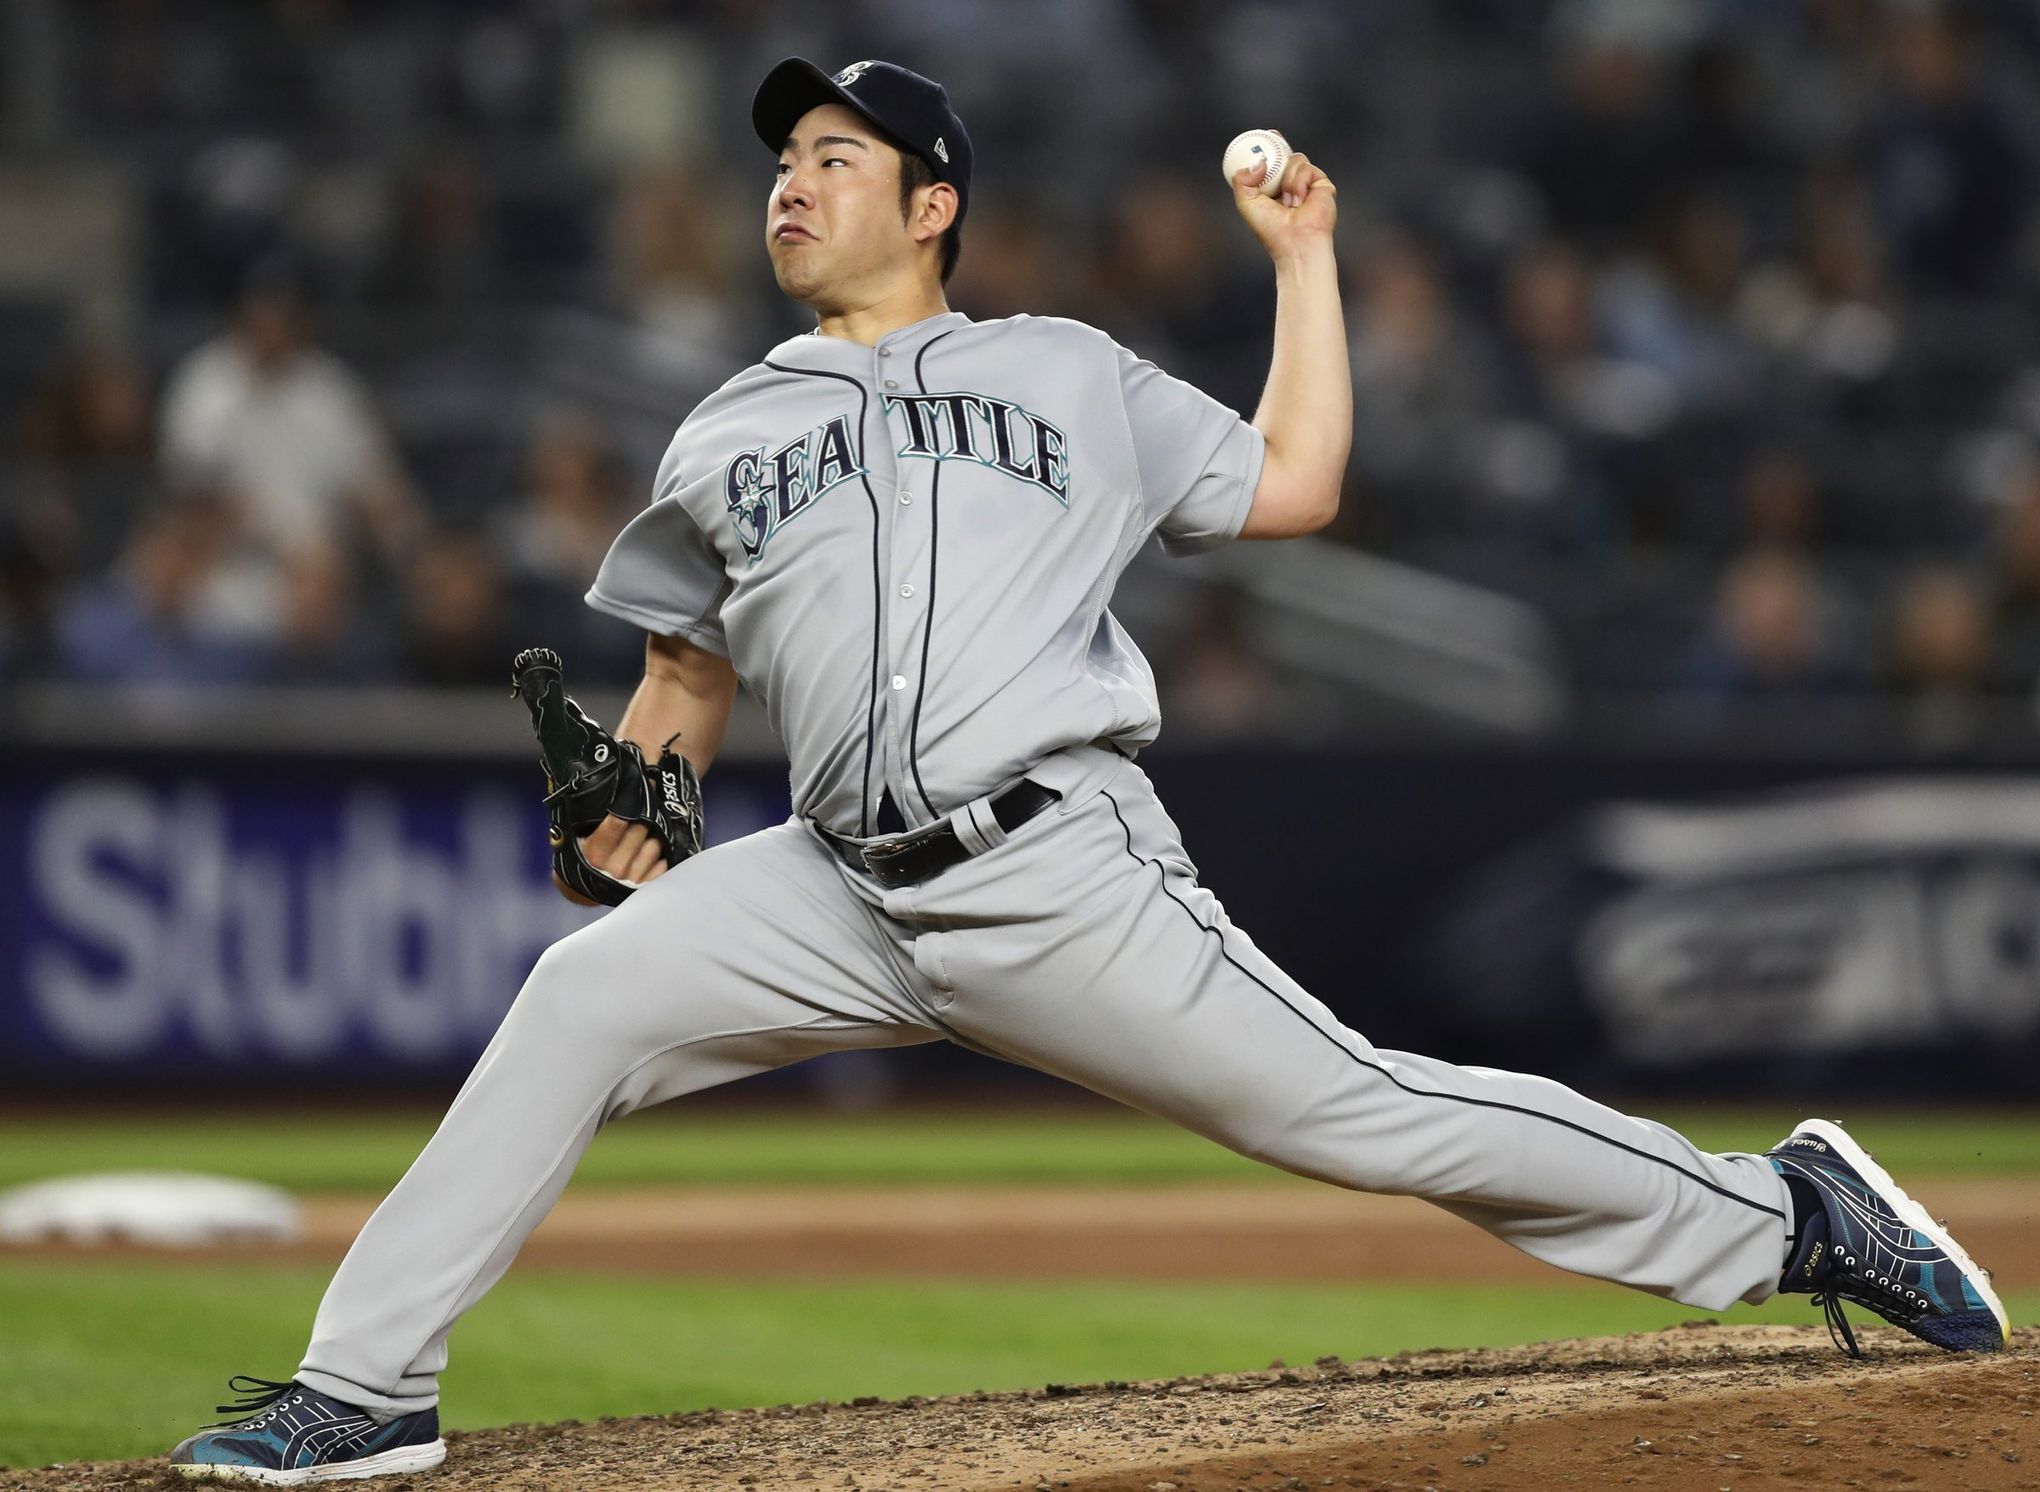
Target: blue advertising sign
(1817, 920)
(1612, 921)
(380, 914)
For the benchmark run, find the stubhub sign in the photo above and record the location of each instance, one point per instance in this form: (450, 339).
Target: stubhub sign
(297, 923)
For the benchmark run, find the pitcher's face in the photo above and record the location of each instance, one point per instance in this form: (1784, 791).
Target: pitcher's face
(833, 222)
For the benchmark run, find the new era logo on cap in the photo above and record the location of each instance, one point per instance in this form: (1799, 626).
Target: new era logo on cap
(941, 149)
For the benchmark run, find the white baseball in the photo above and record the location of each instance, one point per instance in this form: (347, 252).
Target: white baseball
(1258, 145)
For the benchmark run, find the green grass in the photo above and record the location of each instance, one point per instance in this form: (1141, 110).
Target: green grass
(367, 1152)
(100, 1361)
(108, 1363)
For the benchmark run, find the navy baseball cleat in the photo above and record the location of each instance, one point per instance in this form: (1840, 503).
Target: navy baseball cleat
(301, 1435)
(1867, 1241)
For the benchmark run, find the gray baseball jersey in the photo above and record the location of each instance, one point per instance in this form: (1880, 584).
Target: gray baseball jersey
(906, 550)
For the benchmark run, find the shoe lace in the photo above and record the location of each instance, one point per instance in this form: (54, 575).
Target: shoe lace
(1890, 1297)
(258, 1394)
(1837, 1322)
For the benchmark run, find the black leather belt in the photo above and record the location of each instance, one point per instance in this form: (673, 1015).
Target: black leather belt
(928, 852)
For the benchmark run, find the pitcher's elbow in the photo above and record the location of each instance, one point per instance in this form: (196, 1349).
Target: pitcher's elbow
(1323, 510)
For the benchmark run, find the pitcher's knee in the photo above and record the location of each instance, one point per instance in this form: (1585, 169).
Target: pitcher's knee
(1262, 1134)
(1305, 1142)
(577, 987)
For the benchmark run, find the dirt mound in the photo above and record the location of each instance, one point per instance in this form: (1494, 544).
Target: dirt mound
(1696, 1407)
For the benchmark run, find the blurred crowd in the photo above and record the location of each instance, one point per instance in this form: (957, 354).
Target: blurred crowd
(254, 523)
(1707, 327)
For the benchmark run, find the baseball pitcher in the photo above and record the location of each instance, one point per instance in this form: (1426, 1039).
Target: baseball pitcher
(902, 530)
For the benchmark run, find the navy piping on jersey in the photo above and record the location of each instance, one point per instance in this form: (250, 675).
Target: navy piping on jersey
(1351, 1055)
(928, 623)
(877, 583)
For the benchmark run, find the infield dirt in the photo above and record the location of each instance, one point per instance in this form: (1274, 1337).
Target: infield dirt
(1694, 1407)
(1251, 1231)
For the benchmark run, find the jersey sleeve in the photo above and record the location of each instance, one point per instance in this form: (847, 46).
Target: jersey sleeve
(1199, 462)
(662, 572)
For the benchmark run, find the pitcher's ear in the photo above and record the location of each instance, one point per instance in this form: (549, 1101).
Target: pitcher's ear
(937, 213)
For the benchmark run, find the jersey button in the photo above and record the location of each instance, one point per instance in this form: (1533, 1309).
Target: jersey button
(906, 497)
(899, 681)
(907, 591)
(892, 383)
(885, 352)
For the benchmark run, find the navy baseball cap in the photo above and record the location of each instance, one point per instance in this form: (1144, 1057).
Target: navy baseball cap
(910, 109)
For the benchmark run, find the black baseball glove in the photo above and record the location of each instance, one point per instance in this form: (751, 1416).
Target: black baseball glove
(590, 775)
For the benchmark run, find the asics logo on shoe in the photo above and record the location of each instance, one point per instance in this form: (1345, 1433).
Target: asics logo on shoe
(1813, 1259)
(1806, 1144)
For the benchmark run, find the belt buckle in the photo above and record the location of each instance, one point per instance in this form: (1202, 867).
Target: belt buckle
(879, 859)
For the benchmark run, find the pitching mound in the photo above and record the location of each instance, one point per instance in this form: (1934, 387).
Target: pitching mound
(1697, 1407)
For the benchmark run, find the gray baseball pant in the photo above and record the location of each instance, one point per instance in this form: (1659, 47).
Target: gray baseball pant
(1081, 945)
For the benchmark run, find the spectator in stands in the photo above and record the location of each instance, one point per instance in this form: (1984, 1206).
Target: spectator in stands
(1951, 180)
(1605, 149)
(672, 260)
(1774, 636)
(1937, 670)
(438, 252)
(1213, 686)
(1780, 501)
(574, 504)
(552, 543)
(2015, 589)
(322, 635)
(75, 474)
(1558, 394)
(1827, 308)
(1547, 310)
(286, 430)
(1825, 75)
(32, 575)
(1170, 292)
(87, 455)
(1015, 265)
(455, 622)
(1669, 309)
(1724, 136)
(1421, 376)
(1559, 368)
(151, 619)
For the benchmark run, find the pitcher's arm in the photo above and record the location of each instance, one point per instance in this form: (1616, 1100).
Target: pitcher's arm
(1306, 411)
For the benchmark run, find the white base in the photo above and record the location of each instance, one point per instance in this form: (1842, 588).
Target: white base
(1909, 1212)
(384, 1463)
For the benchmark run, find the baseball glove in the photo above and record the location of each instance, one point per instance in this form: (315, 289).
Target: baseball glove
(590, 774)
